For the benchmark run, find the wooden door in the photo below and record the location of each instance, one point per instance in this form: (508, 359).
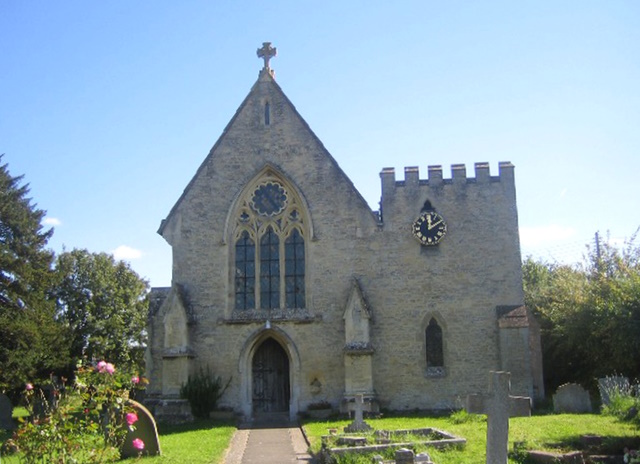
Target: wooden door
(270, 378)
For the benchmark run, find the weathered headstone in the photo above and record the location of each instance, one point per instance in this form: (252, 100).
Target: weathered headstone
(405, 456)
(6, 411)
(609, 385)
(358, 424)
(145, 431)
(498, 405)
(571, 398)
(423, 458)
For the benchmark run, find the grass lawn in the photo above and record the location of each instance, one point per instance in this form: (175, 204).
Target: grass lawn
(205, 442)
(548, 432)
(201, 442)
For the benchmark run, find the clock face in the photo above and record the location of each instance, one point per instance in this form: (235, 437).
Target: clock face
(429, 228)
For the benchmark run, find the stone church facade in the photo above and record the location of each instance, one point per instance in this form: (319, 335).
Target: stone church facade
(286, 282)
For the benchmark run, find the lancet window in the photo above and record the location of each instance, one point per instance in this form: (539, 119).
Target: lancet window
(269, 243)
(434, 348)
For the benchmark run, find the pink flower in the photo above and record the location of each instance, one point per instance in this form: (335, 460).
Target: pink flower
(29, 387)
(135, 380)
(102, 365)
(110, 368)
(131, 418)
(138, 444)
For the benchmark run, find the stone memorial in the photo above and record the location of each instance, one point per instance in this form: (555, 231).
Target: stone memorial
(358, 424)
(498, 405)
(571, 398)
(6, 411)
(405, 456)
(145, 434)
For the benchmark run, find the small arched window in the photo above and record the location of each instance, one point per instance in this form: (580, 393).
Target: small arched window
(434, 348)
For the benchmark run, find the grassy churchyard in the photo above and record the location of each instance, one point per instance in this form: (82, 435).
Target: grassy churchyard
(205, 441)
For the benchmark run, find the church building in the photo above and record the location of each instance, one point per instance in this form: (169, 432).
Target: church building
(288, 284)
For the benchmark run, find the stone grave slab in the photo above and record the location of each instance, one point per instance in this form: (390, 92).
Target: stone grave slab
(571, 398)
(145, 430)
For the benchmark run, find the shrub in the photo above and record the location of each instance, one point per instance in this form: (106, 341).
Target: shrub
(203, 392)
(623, 400)
(462, 417)
(85, 424)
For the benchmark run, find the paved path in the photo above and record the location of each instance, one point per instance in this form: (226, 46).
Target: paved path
(269, 445)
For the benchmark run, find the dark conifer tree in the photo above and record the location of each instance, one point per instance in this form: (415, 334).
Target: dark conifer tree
(32, 343)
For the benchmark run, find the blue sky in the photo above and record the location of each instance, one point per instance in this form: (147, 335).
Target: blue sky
(108, 108)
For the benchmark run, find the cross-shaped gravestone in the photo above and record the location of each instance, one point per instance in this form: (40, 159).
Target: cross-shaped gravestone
(498, 405)
(266, 53)
(358, 424)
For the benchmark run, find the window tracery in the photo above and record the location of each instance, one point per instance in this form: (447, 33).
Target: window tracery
(269, 244)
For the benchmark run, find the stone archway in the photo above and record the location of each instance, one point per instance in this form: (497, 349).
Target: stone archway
(245, 368)
(270, 378)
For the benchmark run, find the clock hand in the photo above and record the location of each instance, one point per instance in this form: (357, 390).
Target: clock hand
(431, 226)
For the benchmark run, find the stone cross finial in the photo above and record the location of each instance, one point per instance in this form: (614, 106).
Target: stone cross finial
(266, 53)
(498, 405)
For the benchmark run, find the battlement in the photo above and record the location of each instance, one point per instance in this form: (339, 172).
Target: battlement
(458, 175)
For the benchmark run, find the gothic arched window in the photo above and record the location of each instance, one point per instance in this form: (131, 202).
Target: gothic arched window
(245, 272)
(269, 270)
(269, 248)
(434, 349)
(294, 270)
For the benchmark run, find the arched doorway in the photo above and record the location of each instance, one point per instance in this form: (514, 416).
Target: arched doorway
(270, 373)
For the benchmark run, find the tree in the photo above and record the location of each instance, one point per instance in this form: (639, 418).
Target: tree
(28, 328)
(104, 304)
(590, 314)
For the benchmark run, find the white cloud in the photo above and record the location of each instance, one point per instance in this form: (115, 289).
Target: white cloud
(124, 252)
(534, 236)
(51, 221)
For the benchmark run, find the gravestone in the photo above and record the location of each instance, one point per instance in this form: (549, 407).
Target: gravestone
(498, 405)
(358, 424)
(6, 412)
(608, 385)
(145, 430)
(423, 458)
(405, 456)
(571, 398)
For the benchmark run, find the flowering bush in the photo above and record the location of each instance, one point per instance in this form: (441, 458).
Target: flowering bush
(89, 424)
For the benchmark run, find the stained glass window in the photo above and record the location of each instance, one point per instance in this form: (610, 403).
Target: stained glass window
(245, 280)
(269, 270)
(294, 270)
(269, 199)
